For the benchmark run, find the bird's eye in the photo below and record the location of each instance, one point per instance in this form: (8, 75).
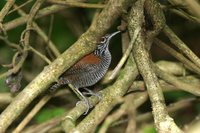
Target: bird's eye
(103, 40)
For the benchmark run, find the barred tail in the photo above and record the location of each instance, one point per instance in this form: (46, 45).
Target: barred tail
(55, 87)
(59, 84)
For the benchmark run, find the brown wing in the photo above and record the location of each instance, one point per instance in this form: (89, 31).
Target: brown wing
(86, 65)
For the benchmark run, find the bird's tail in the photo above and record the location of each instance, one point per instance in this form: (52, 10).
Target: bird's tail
(54, 87)
(59, 84)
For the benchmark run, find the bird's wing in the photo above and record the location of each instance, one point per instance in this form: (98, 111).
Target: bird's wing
(87, 64)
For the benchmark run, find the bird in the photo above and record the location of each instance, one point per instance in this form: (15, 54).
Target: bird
(88, 70)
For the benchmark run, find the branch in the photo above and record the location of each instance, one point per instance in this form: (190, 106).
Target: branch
(76, 4)
(42, 13)
(6, 9)
(194, 89)
(41, 33)
(190, 65)
(181, 45)
(163, 122)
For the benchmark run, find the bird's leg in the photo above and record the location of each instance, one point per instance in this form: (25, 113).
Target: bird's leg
(91, 93)
(82, 97)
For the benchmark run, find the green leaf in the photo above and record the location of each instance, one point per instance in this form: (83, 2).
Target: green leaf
(149, 129)
(48, 113)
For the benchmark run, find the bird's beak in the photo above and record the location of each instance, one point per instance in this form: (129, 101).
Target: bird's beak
(113, 34)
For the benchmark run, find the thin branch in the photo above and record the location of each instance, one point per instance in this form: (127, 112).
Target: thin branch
(22, 5)
(50, 30)
(194, 89)
(31, 16)
(22, 20)
(185, 15)
(42, 34)
(76, 4)
(112, 118)
(193, 6)
(44, 127)
(43, 57)
(115, 72)
(43, 12)
(5, 9)
(174, 107)
(136, 101)
(36, 109)
(190, 65)
(11, 44)
(181, 45)
(174, 68)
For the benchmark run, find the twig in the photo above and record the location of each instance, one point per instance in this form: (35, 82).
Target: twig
(182, 104)
(42, 34)
(13, 45)
(125, 56)
(125, 39)
(43, 12)
(194, 7)
(185, 15)
(181, 45)
(191, 66)
(194, 89)
(32, 113)
(174, 107)
(76, 4)
(22, 5)
(111, 118)
(15, 68)
(5, 9)
(44, 127)
(22, 20)
(137, 100)
(50, 29)
(31, 16)
(43, 57)
(36, 109)
(174, 68)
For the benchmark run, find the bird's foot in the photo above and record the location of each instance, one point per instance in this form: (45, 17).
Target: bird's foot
(86, 102)
(91, 93)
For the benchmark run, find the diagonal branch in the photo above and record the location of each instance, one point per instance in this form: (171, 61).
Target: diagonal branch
(163, 122)
(181, 45)
(6, 9)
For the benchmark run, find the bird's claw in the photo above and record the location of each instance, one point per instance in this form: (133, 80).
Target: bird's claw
(91, 93)
(86, 103)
